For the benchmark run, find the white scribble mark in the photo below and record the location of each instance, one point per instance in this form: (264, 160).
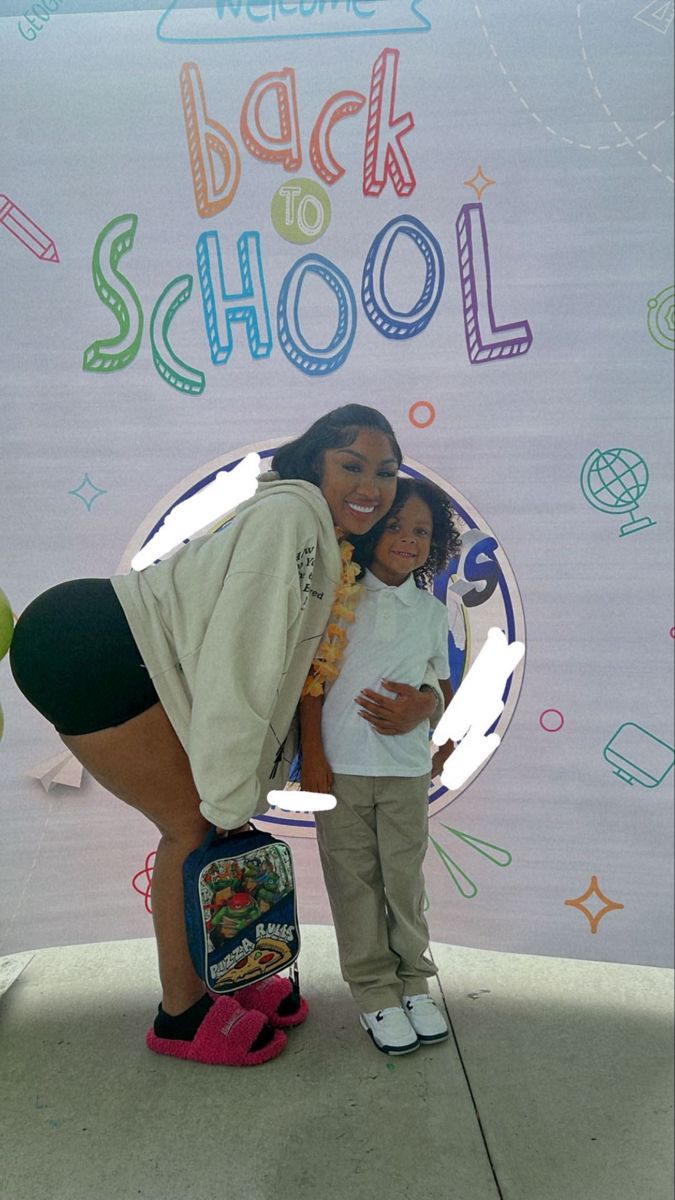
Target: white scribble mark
(196, 514)
(475, 707)
(295, 801)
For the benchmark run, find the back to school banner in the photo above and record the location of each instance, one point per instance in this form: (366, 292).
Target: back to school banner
(218, 221)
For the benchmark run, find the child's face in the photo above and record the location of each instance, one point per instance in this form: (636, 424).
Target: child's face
(359, 482)
(405, 543)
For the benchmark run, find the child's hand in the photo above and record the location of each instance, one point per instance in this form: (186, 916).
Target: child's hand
(439, 758)
(316, 774)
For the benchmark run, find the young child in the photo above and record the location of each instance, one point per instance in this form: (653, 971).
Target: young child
(372, 845)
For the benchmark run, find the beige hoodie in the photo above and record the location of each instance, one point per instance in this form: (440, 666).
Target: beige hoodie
(228, 627)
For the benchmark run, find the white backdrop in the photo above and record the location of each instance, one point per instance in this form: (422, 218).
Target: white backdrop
(459, 213)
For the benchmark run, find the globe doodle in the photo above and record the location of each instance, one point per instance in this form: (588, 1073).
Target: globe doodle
(661, 318)
(614, 481)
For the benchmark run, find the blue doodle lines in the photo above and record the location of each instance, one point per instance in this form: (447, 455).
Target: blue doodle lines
(266, 20)
(87, 492)
(389, 321)
(314, 360)
(486, 341)
(249, 305)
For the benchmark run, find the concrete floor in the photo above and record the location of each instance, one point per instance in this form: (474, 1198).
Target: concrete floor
(556, 1085)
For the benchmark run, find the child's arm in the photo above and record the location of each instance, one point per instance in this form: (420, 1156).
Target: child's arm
(430, 687)
(315, 771)
(447, 748)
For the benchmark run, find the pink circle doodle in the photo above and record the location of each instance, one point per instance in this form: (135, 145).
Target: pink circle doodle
(672, 632)
(422, 424)
(145, 874)
(547, 728)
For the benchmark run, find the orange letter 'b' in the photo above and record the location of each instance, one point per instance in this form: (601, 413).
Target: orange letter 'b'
(283, 147)
(209, 144)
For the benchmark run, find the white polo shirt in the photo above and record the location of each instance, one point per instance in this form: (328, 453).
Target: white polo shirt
(397, 632)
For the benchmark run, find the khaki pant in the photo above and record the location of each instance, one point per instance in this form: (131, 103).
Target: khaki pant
(372, 847)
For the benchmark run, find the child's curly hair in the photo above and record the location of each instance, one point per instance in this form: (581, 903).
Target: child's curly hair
(445, 539)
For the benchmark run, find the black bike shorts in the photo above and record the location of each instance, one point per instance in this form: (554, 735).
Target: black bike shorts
(74, 657)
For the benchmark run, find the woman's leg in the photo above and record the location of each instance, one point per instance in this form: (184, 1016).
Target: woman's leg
(143, 763)
(75, 660)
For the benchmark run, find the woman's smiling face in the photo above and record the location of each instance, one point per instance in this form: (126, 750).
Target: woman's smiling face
(405, 543)
(359, 482)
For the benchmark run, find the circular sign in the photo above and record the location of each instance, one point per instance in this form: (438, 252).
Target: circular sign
(478, 589)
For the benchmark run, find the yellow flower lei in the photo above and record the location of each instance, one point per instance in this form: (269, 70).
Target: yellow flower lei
(325, 666)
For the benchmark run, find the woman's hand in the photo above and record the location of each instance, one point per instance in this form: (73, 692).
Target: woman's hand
(316, 774)
(390, 715)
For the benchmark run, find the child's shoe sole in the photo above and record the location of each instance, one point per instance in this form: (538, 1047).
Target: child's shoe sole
(384, 1048)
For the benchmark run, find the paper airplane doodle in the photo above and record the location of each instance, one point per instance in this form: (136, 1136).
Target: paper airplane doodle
(62, 768)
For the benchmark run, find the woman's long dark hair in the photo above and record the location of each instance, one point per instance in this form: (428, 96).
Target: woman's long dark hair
(445, 539)
(302, 458)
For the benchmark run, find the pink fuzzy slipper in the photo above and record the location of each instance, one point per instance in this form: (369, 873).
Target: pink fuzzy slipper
(224, 1038)
(266, 997)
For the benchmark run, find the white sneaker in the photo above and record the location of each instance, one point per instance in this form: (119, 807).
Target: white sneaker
(428, 1023)
(390, 1030)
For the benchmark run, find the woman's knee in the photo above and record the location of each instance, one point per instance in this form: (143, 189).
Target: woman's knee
(182, 829)
(175, 848)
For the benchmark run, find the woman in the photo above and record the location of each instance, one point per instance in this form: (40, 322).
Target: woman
(175, 687)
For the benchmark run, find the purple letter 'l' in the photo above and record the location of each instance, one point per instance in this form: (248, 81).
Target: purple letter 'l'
(485, 340)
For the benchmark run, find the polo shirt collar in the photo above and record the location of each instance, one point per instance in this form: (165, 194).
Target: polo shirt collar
(405, 592)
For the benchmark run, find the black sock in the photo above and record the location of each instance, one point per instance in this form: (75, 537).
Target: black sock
(185, 1025)
(289, 1005)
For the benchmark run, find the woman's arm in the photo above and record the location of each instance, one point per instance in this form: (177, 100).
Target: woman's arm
(390, 715)
(239, 672)
(411, 706)
(315, 771)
